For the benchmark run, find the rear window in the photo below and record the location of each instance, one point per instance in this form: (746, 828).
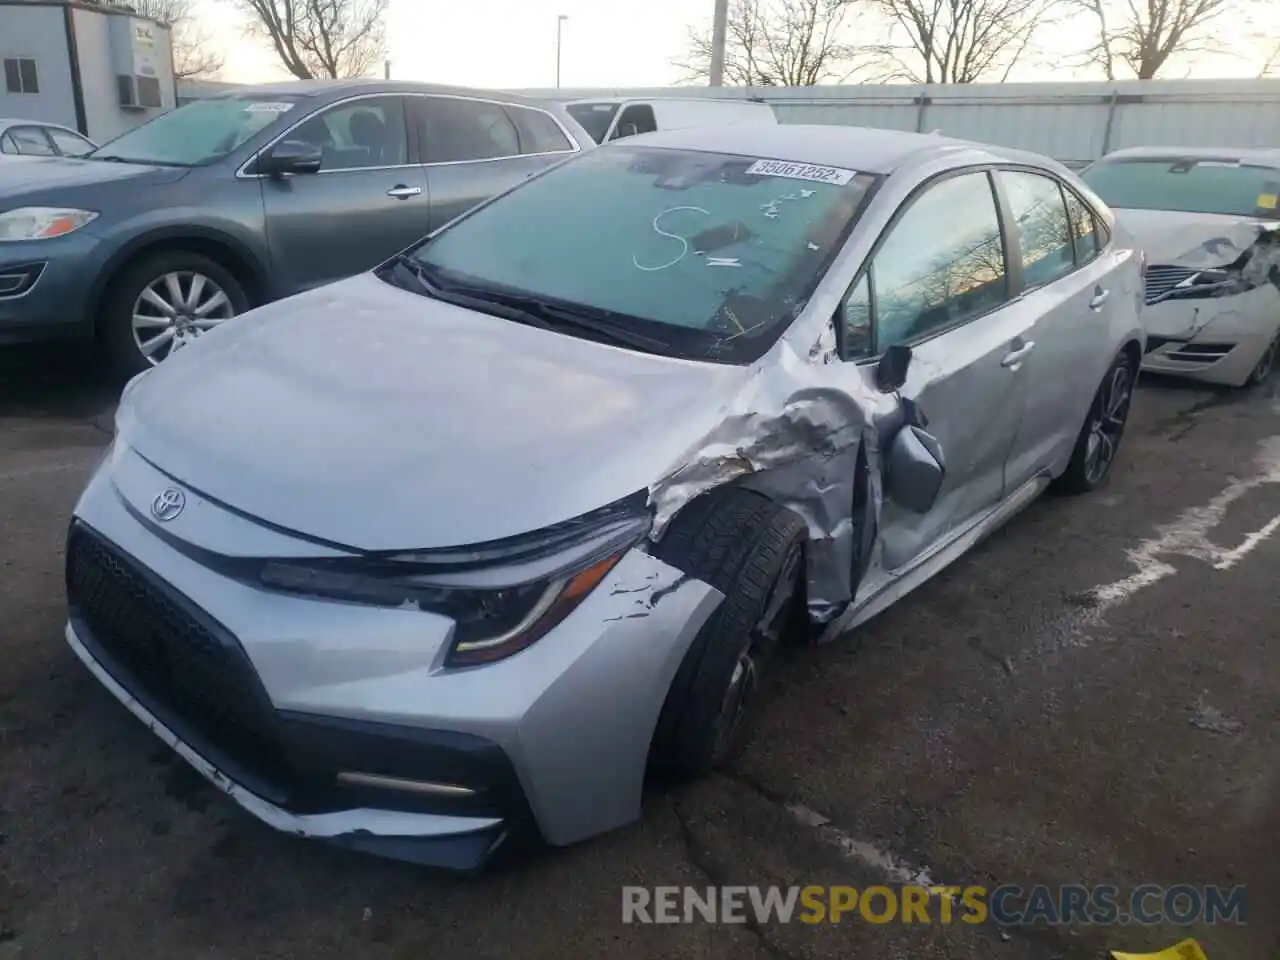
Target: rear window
(1229, 187)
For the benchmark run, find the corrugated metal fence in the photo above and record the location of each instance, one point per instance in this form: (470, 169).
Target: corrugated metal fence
(1073, 122)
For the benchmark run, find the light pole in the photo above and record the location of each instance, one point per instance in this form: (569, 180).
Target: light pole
(719, 35)
(559, 24)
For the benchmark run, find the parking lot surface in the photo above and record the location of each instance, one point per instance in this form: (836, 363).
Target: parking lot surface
(1091, 696)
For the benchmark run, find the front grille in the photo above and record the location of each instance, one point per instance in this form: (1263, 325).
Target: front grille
(172, 656)
(1161, 278)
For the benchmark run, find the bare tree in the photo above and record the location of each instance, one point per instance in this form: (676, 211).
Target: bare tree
(322, 38)
(194, 54)
(1143, 36)
(958, 41)
(776, 43)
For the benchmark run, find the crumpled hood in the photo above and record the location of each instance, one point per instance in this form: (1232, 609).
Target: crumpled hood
(374, 418)
(1196, 240)
(32, 177)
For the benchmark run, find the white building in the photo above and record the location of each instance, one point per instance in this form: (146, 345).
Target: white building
(93, 66)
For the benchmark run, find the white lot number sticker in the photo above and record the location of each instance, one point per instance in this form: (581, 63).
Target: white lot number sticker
(800, 171)
(264, 106)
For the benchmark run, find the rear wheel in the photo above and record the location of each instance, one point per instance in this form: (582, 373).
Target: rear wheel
(1099, 440)
(162, 303)
(752, 551)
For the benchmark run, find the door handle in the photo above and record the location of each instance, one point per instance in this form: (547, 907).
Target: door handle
(1099, 298)
(402, 192)
(1015, 357)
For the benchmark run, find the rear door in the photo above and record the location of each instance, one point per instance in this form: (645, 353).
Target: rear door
(938, 281)
(474, 149)
(1067, 286)
(368, 201)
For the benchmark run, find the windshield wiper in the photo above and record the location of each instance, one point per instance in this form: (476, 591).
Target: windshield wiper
(530, 309)
(116, 158)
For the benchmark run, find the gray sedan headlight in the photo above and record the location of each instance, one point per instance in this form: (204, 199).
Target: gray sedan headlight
(502, 596)
(42, 223)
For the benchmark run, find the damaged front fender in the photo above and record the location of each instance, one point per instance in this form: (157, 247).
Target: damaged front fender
(807, 433)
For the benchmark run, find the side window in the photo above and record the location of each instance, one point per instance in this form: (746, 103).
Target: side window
(942, 263)
(31, 141)
(637, 118)
(1084, 230)
(1044, 230)
(68, 143)
(855, 321)
(358, 134)
(7, 145)
(454, 130)
(539, 133)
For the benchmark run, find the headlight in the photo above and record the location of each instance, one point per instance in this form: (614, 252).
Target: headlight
(502, 596)
(42, 223)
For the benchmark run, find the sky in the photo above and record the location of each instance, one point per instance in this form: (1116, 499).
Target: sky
(605, 43)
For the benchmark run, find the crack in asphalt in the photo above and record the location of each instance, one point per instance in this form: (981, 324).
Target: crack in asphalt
(700, 859)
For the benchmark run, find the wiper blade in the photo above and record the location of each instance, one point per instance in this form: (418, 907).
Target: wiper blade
(601, 323)
(421, 279)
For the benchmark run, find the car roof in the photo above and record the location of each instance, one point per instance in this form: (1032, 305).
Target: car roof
(336, 89)
(1267, 155)
(868, 149)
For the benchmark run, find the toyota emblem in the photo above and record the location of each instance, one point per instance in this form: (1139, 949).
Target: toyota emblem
(168, 504)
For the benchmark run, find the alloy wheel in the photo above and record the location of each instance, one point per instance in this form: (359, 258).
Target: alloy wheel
(174, 309)
(1110, 413)
(744, 683)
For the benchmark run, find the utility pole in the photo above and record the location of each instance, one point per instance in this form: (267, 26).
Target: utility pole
(559, 24)
(719, 36)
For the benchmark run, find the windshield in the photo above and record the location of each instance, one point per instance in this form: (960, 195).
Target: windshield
(1230, 187)
(594, 117)
(200, 132)
(710, 254)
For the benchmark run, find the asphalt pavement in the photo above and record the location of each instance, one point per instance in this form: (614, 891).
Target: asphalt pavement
(1091, 696)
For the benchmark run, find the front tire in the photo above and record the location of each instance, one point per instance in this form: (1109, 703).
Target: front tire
(751, 550)
(163, 302)
(1265, 365)
(1099, 440)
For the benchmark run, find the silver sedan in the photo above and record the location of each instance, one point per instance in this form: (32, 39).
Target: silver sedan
(451, 554)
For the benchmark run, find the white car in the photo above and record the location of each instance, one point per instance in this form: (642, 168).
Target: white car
(36, 138)
(1209, 222)
(612, 118)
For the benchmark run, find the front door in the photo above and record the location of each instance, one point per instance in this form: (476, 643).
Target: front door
(366, 203)
(938, 283)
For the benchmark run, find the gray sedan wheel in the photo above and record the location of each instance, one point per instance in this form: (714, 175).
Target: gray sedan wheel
(163, 303)
(174, 309)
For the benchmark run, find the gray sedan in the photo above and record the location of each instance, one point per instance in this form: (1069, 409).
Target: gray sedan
(453, 552)
(237, 200)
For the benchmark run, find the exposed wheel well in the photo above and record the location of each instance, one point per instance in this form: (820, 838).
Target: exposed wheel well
(225, 254)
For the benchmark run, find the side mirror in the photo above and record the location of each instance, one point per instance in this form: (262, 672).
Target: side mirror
(916, 469)
(891, 371)
(291, 156)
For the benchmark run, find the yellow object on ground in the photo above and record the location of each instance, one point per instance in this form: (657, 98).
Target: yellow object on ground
(1186, 950)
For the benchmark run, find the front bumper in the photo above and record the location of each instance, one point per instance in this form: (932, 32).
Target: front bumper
(55, 299)
(269, 695)
(1216, 340)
